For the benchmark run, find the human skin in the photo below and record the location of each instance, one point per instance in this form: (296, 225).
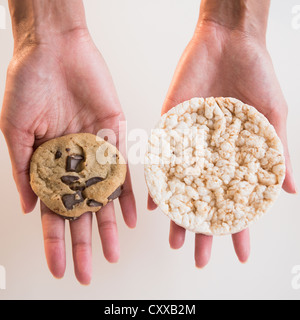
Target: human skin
(58, 83)
(228, 57)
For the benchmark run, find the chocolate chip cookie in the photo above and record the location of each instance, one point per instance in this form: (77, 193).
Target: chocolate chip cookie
(77, 173)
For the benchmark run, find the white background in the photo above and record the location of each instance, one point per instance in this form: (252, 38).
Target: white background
(142, 41)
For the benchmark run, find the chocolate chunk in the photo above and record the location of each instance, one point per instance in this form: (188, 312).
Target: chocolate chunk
(93, 203)
(73, 163)
(70, 200)
(73, 183)
(69, 179)
(58, 155)
(116, 193)
(77, 187)
(92, 181)
(68, 149)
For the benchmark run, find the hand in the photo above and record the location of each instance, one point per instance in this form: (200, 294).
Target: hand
(55, 88)
(225, 60)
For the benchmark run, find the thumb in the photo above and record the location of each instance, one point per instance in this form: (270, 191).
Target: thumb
(20, 147)
(289, 184)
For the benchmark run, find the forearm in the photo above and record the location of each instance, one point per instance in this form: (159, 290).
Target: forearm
(38, 21)
(249, 16)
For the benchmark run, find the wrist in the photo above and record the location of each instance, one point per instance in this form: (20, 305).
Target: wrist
(39, 22)
(244, 16)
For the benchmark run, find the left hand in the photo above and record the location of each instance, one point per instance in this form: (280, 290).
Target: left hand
(219, 62)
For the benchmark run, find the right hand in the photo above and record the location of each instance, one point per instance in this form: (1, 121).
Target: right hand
(54, 89)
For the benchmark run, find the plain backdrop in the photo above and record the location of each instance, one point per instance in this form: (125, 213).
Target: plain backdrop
(142, 41)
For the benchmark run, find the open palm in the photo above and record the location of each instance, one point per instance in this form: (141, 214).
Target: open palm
(219, 62)
(52, 91)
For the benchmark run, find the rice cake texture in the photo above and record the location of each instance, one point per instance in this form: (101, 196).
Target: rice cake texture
(214, 165)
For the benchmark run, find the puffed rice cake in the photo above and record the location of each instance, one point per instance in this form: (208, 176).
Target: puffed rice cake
(214, 166)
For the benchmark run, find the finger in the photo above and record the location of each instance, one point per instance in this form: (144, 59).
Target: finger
(203, 245)
(108, 231)
(176, 236)
(241, 243)
(54, 241)
(127, 203)
(151, 205)
(81, 234)
(20, 151)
